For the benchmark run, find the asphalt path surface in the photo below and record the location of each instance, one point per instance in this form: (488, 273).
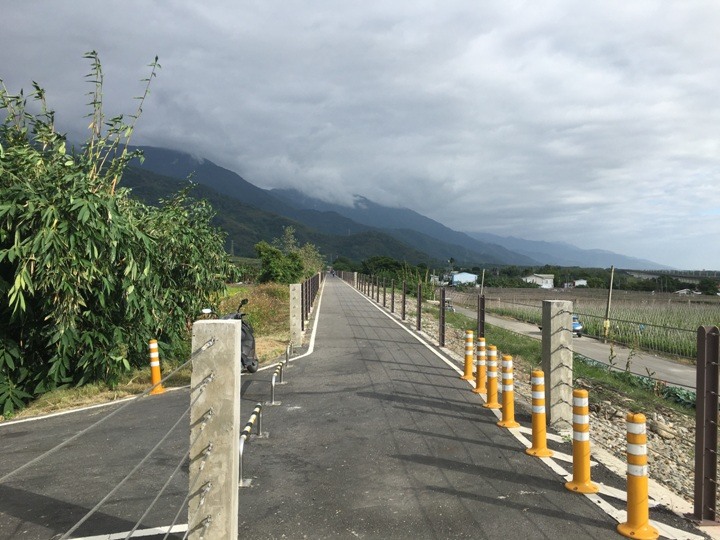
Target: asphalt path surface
(373, 435)
(640, 362)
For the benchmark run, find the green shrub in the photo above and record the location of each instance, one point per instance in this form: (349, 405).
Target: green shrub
(87, 274)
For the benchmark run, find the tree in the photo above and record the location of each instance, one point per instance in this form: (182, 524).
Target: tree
(310, 258)
(278, 266)
(343, 264)
(87, 274)
(708, 286)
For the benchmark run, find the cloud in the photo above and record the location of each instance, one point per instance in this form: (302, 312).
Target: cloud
(594, 124)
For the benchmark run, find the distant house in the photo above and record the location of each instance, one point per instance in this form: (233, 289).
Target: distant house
(581, 282)
(686, 292)
(462, 278)
(546, 281)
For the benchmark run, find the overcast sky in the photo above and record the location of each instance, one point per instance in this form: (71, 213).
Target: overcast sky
(594, 123)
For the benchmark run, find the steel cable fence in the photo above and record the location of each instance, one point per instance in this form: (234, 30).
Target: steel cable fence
(103, 420)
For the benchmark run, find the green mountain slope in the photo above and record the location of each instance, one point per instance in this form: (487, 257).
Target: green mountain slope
(431, 237)
(247, 225)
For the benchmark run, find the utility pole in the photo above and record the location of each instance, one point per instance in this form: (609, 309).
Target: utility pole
(606, 323)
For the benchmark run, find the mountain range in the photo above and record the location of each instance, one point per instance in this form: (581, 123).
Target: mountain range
(250, 214)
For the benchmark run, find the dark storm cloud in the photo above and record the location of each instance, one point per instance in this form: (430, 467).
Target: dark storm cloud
(589, 123)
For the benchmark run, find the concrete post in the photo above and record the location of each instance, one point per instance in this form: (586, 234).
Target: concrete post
(355, 280)
(296, 315)
(215, 431)
(557, 362)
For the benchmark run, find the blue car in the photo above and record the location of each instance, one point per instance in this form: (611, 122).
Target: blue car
(577, 326)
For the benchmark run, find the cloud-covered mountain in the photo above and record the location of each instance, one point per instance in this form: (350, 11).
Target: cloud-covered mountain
(563, 254)
(421, 238)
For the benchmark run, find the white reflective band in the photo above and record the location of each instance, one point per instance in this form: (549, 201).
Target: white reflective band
(507, 387)
(637, 449)
(492, 352)
(580, 402)
(154, 364)
(492, 363)
(538, 380)
(507, 364)
(581, 418)
(581, 436)
(636, 429)
(538, 395)
(481, 353)
(540, 409)
(507, 376)
(637, 470)
(154, 354)
(492, 374)
(479, 362)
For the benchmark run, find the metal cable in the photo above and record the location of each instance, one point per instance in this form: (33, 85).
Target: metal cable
(177, 516)
(132, 472)
(157, 497)
(167, 482)
(79, 434)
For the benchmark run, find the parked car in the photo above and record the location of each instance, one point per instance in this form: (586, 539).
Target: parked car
(577, 326)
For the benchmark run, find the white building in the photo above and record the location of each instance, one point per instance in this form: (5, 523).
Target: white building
(462, 278)
(546, 281)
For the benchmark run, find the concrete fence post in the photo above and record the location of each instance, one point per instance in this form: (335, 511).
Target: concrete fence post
(215, 431)
(557, 362)
(355, 280)
(296, 315)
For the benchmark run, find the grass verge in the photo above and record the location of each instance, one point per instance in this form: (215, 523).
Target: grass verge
(268, 310)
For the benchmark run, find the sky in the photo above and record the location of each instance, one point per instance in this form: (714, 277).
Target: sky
(592, 123)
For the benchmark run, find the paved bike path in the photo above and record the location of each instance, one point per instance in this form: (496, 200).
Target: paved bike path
(377, 437)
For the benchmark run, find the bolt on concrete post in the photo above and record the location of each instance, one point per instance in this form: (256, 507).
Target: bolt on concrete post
(296, 313)
(557, 362)
(215, 424)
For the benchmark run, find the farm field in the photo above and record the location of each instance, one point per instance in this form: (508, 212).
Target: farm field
(661, 322)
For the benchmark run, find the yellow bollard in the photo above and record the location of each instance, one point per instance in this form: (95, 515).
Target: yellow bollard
(480, 368)
(508, 394)
(638, 510)
(581, 445)
(469, 356)
(539, 422)
(492, 382)
(155, 375)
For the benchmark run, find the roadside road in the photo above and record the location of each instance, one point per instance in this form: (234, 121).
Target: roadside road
(640, 362)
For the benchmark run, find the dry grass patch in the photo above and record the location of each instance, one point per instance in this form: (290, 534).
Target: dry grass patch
(268, 310)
